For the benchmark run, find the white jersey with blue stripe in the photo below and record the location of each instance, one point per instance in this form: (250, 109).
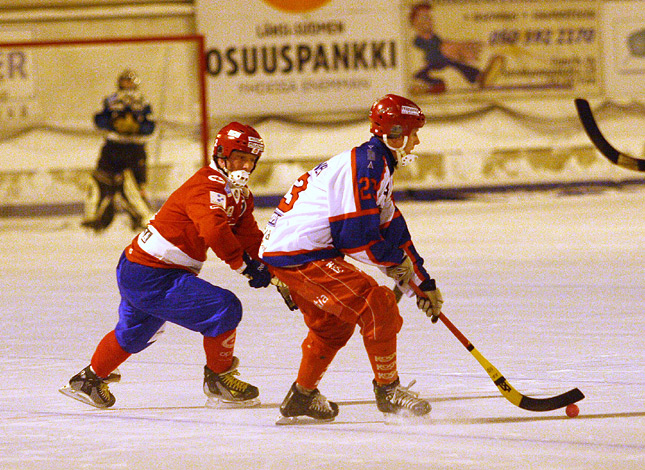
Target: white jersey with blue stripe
(342, 207)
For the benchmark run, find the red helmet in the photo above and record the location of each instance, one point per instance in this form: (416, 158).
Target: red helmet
(236, 136)
(395, 116)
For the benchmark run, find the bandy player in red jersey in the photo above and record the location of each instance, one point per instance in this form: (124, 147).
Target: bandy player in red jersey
(157, 275)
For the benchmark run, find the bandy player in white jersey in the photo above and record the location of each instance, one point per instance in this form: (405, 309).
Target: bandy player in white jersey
(344, 207)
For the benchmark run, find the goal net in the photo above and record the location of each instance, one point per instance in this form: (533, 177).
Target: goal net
(49, 93)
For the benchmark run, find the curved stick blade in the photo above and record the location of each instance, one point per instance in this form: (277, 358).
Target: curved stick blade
(552, 403)
(505, 388)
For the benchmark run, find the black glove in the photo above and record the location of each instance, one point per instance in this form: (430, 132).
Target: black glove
(257, 272)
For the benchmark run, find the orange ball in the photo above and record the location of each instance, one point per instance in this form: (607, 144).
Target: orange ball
(572, 410)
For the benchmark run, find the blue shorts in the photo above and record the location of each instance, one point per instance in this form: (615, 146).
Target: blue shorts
(152, 296)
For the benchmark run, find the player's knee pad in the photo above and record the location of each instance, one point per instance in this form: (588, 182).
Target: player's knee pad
(135, 338)
(381, 319)
(226, 318)
(322, 348)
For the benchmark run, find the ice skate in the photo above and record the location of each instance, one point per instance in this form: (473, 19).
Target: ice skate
(225, 390)
(297, 405)
(396, 399)
(91, 389)
(114, 377)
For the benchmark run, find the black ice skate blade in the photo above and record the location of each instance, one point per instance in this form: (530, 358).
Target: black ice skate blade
(300, 420)
(214, 402)
(80, 396)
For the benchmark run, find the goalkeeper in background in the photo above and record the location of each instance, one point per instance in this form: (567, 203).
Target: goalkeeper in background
(121, 169)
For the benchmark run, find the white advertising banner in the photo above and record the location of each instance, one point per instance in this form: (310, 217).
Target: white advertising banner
(624, 49)
(281, 57)
(485, 48)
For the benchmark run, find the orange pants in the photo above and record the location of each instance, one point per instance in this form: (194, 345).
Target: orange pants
(334, 296)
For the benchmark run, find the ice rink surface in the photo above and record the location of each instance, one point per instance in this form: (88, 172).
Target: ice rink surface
(549, 288)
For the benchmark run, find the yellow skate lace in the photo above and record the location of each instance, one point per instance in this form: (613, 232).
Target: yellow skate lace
(233, 382)
(104, 391)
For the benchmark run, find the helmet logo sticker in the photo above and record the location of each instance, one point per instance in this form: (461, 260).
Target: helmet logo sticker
(255, 145)
(409, 110)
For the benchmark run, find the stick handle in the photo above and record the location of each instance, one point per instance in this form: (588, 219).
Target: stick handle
(453, 329)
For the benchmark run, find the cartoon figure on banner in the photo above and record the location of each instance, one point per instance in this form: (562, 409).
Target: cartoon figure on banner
(439, 54)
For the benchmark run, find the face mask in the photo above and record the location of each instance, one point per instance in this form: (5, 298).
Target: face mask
(407, 159)
(402, 157)
(239, 178)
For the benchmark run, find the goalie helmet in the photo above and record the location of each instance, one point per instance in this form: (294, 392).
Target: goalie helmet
(128, 76)
(394, 116)
(236, 136)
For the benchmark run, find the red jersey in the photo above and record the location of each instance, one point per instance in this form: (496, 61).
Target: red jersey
(205, 212)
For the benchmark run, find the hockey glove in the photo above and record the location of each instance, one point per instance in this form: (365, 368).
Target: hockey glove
(401, 273)
(284, 291)
(257, 272)
(431, 301)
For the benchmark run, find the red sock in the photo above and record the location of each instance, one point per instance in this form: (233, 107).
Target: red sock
(108, 355)
(219, 351)
(382, 356)
(316, 358)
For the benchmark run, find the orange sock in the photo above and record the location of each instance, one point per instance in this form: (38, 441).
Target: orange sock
(382, 357)
(316, 357)
(219, 351)
(108, 355)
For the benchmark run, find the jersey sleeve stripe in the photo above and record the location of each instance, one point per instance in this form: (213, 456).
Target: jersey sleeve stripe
(352, 215)
(357, 200)
(153, 243)
(283, 259)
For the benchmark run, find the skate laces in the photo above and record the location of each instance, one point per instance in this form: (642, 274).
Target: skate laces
(404, 397)
(320, 403)
(103, 390)
(99, 384)
(233, 382)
